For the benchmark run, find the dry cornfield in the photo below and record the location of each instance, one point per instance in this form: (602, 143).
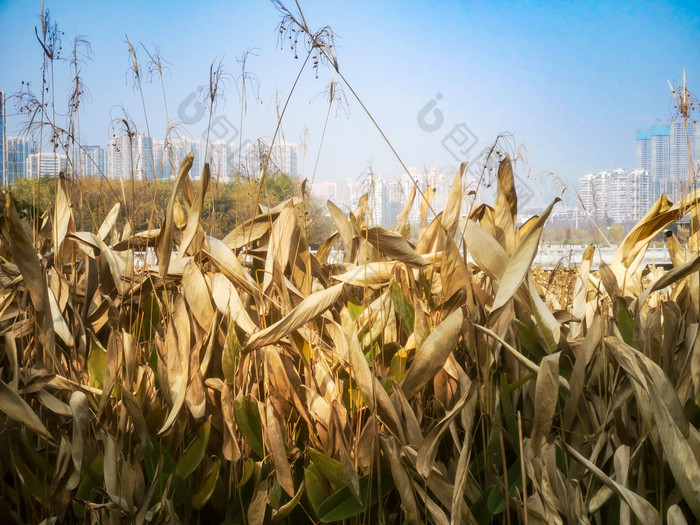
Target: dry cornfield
(248, 380)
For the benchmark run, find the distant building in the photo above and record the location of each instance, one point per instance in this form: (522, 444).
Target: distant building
(654, 155)
(663, 151)
(18, 151)
(282, 158)
(171, 153)
(683, 145)
(346, 194)
(89, 161)
(325, 190)
(42, 164)
(222, 159)
(130, 154)
(394, 199)
(617, 196)
(4, 175)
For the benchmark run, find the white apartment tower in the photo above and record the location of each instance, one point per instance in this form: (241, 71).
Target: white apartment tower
(282, 158)
(684, 148)
(131, 154)
(89, 161)
(42, 164)
(617, 196)
(170, 153)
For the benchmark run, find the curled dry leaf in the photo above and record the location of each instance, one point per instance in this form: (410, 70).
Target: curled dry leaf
(306, 311)
(393, 246)
(432, 354)
(164, 244)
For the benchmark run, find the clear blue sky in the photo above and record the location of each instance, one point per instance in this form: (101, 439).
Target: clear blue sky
(571, 81)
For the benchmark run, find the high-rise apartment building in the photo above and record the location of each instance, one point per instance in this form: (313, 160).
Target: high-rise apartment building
(617, 196)
(664, 151)
(131, 154)
(282, 158)
(222, 159)
(654, 155)
(170, 153)
(45, 164)
(89, 161)
(684, 149)
(18, 151)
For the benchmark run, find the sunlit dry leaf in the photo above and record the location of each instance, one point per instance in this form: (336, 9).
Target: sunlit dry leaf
(675, 516)
(371, 274)
(109, 222)
(487, 253)
(197, 295)
(519, 264)
(194, 234)
(113, 486)
(344, 228)
(229, 265)
(258, 504)
(393, 246)
(26, 259)
(405, 211)
(547, 325)
(631, 251)
(450, 215)
(54, 404)
(164, 244)
(506, 206)
(63, 216)
(306, 311)
(622, 464)
(177, 359)
(11, 352)
(581, 289)
(402, 480)
(433, 353)
(428, 195)
(229, 303)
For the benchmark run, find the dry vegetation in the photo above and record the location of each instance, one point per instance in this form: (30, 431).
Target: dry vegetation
(244, 379)
(248, 380)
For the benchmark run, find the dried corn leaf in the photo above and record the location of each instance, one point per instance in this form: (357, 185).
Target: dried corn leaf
(18, 409)
(393, 246)
(164, 244)
(433, 353)
(309, 309)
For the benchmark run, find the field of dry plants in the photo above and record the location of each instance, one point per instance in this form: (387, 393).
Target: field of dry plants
(247, 380)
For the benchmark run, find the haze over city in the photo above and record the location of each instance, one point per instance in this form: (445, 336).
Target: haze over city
(574, 103)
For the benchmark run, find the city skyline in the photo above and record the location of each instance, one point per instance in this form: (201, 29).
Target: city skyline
(608, 196)
(146, 158)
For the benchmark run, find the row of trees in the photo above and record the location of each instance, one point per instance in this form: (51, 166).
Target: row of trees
(227, 204)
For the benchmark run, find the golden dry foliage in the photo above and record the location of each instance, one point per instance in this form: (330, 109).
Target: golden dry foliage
(249, 380)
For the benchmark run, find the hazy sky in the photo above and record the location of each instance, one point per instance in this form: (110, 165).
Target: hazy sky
(571, 81)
